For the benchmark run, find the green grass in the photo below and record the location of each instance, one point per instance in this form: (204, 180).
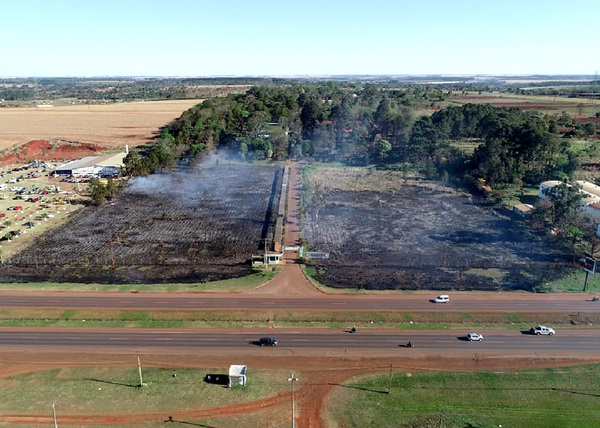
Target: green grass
(227, 285)
(108, 391)
(563, 397)
(573, 283)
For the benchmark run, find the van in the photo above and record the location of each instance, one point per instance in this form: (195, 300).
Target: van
(3, 186)
(442, 299)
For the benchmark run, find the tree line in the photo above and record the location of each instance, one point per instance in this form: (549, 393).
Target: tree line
(364, 125)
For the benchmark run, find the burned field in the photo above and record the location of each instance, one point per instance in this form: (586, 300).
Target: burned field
(420, 235)
(179, 227)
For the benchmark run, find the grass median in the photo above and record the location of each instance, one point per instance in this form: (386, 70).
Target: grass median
(556, 397)
(306, 319)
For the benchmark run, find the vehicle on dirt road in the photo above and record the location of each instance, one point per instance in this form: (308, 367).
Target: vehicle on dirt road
(442, 299)
(474, 337)
(542, 329)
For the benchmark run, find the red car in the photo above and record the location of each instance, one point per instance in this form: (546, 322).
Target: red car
(18, 207)
(2, 215)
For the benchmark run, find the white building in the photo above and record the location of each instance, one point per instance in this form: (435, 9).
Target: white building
(94, 166)
(590, 202)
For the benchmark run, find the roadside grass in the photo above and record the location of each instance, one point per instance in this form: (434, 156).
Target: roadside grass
(106, 391)
(224, 319)
(573, 283)
(555, 397)
(227, 285)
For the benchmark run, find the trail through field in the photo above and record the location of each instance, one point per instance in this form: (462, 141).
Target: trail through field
(291, 280)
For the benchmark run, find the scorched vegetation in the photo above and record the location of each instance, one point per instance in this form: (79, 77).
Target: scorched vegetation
(187, 226)
(386, 232)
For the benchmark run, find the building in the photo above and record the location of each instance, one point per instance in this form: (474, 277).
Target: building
(95, 166)
(590, 202)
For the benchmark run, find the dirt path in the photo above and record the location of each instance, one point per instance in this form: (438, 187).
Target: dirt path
(291, 280)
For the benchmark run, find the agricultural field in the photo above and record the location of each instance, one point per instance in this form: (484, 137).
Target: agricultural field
(545, 103)
(187, 226)
(386, 232)
(116, 124)
(553, 397)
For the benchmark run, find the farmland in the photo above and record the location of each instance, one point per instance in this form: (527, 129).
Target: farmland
(108, 124)
(187, 226)
(385, 232)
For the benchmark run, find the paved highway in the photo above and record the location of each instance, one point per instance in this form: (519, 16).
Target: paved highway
(405, 302)
(571, 340)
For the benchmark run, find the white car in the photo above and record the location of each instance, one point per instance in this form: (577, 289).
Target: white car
(472, 337)
(442, 299)
(542, 329)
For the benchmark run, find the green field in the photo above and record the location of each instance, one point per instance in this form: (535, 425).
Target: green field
(115, 391)
(556, 397)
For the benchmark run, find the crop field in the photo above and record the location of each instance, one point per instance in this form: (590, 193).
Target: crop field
(190, 226)
(109, 124)
(548, 104)
(383, 232)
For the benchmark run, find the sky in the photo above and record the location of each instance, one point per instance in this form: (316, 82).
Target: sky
(297, 37)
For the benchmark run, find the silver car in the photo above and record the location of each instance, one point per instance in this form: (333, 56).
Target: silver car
(542, 329)
(472, 337)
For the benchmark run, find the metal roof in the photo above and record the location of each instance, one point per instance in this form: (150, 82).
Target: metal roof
(115, 159)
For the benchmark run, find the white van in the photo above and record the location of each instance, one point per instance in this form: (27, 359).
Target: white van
(444, 298)
(3, 186)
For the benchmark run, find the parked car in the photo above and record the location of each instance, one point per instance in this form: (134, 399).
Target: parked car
(442, 299)
(12, 181)
(267, 341)
(474, 337)
(2, 215)
(542, 329)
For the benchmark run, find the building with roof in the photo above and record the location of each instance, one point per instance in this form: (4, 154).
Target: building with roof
(94, 166)
(590, 203)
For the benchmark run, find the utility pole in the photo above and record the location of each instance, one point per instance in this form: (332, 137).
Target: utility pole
(389, 390)
(292, 380)
(140, 370)
(54, 415)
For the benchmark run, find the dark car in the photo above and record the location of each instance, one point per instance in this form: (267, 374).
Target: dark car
(267, 341)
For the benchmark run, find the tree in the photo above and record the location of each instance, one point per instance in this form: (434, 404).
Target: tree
(589, 128)
(565, 204)
(384, 149)
(98, 191)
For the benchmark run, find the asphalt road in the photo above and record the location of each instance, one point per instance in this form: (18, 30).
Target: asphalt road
(570, 340)
(404, 302)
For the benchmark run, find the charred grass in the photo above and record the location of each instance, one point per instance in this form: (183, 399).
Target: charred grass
(187, 227)
(385, 232)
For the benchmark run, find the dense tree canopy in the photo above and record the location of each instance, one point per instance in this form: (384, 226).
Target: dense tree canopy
(363, 125)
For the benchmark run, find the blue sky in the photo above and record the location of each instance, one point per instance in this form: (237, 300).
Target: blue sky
(297, 37)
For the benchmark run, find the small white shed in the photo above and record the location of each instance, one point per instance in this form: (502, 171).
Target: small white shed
(237, 375)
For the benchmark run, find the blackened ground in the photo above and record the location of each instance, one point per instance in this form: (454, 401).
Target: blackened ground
(420, 238)
(179, 227)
